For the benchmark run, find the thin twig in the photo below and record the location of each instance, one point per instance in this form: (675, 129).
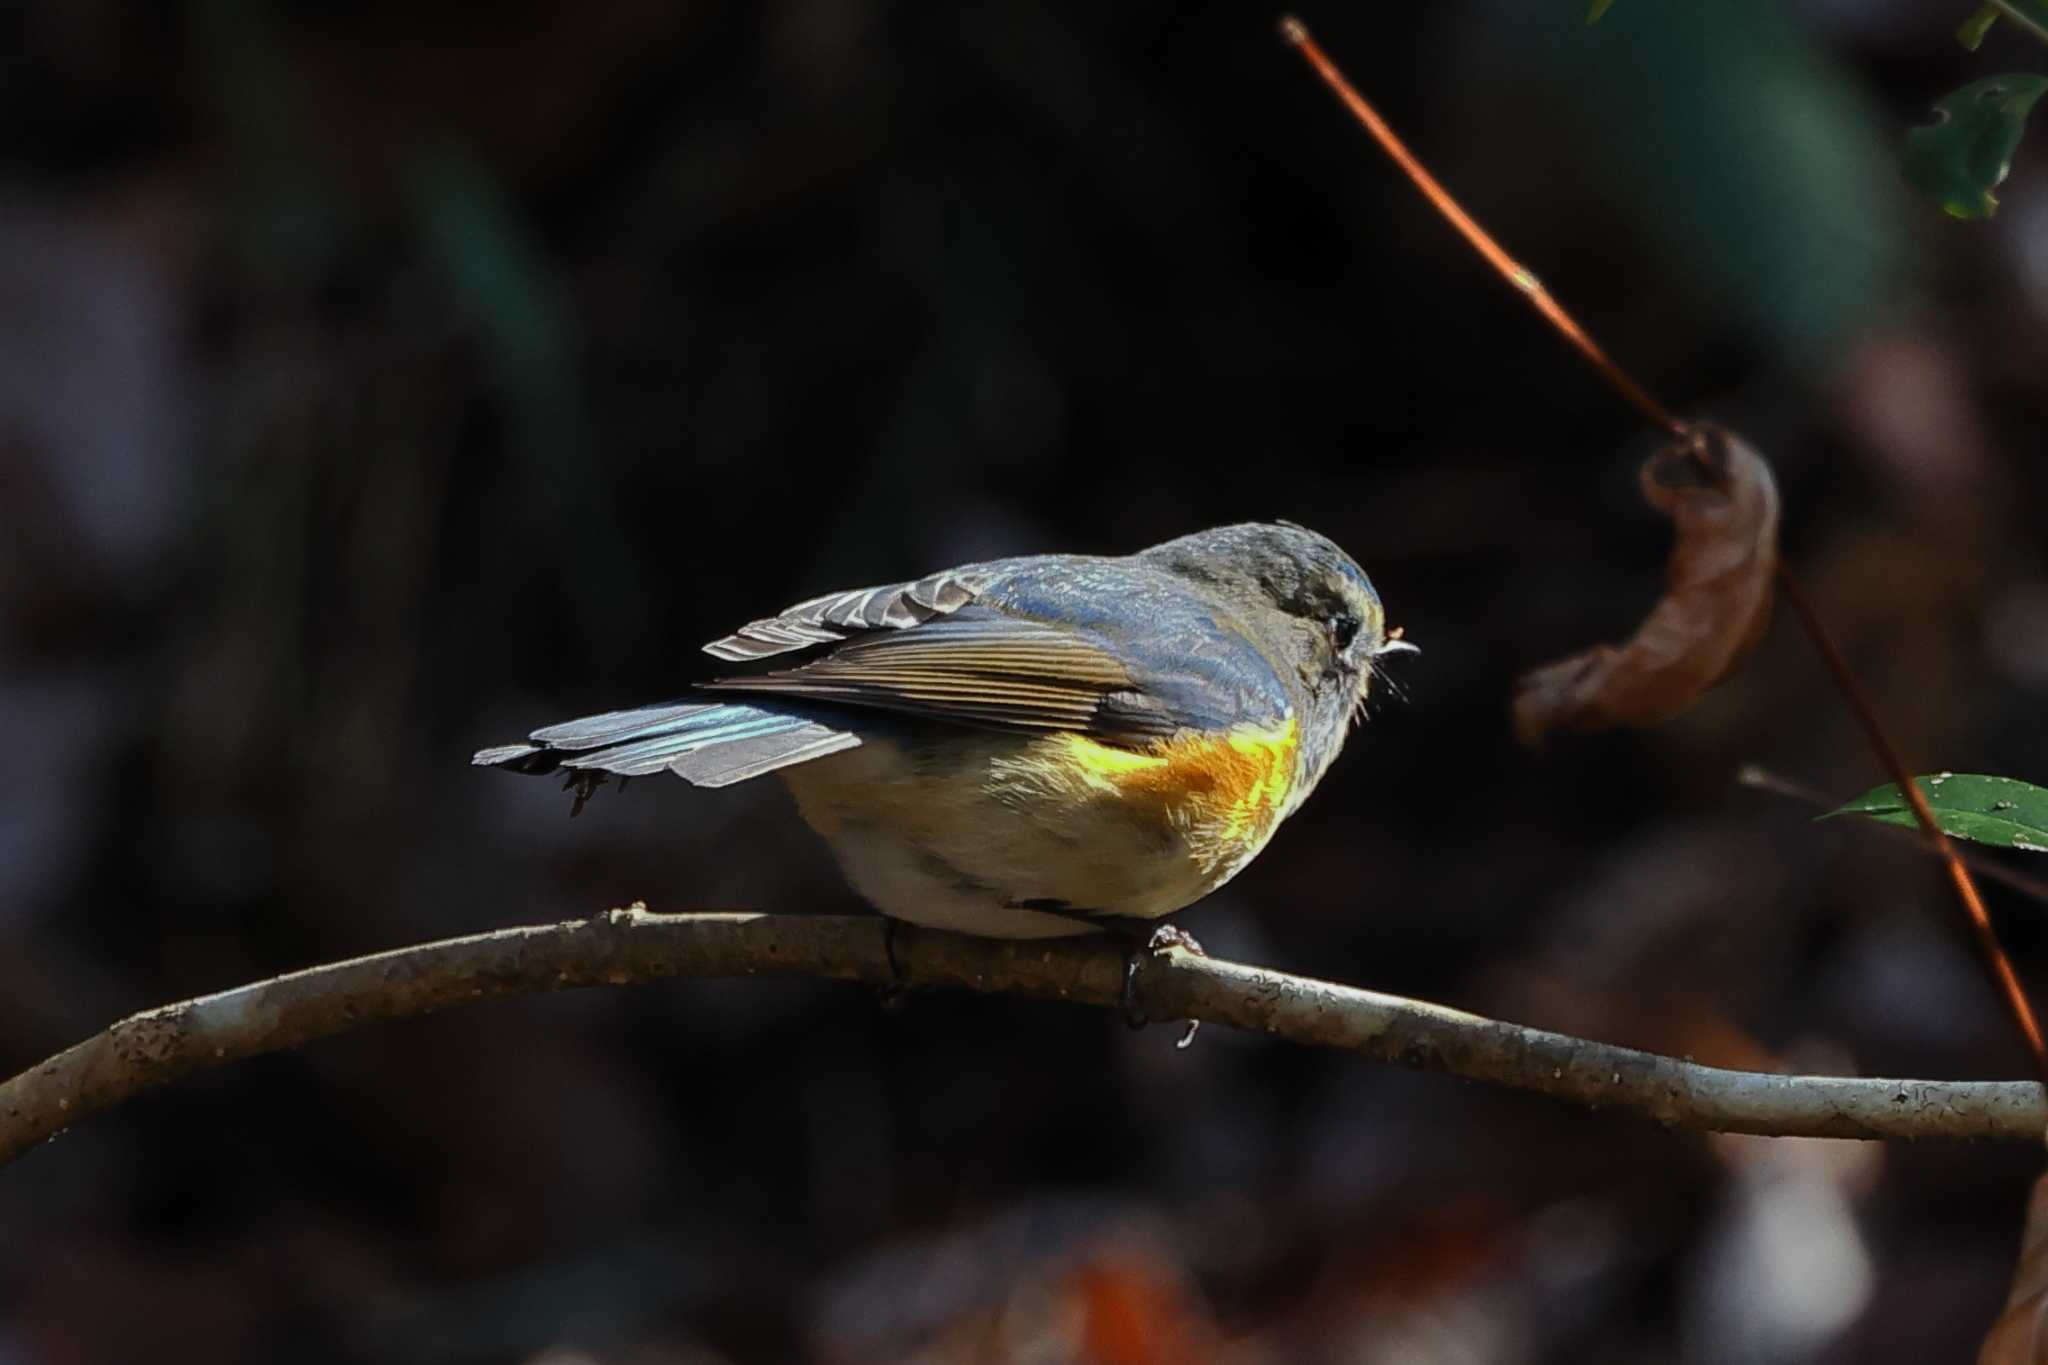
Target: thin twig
(2020, 17)
(1995, 960)
(622, 947)
(1511, 270)
(1763, 779)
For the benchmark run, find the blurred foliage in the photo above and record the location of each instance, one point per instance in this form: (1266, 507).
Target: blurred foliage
(1738, 144)
(1966, 152)
(2001, 811)
(291, 218)
(483, 251)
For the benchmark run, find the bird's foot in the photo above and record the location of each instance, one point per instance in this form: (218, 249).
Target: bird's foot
(584, 782)
(1162, 937)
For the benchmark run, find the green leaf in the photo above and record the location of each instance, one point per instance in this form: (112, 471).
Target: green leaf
(1963, 155)
(1596, 9)
(1971, 34)
(2001, 811)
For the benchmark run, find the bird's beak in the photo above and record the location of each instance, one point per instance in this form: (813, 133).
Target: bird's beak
(1395, 644)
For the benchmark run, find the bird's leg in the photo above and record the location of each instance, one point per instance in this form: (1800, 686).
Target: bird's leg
(891, 926)
(1141, 938)
(896, 995)
(1161, 938)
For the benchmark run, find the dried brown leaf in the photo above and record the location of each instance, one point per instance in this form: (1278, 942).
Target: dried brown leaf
(2020, 1336)
(1716, 604)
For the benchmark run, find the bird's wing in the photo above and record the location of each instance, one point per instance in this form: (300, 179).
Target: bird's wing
(1101, 648)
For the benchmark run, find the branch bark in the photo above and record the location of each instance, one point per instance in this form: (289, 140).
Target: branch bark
(622, 947)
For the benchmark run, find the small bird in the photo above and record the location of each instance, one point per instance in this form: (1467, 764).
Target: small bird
(1031, 747)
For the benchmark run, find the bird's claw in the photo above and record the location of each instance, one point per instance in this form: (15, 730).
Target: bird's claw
(895, 996)
(1163, 937)
(584, 782)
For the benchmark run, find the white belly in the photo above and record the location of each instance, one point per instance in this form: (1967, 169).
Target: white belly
(972, 846)
(898, 880)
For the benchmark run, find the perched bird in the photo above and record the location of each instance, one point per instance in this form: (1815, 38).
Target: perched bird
(1030, 747)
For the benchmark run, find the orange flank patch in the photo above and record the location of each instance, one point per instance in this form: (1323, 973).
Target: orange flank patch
(1225, 792)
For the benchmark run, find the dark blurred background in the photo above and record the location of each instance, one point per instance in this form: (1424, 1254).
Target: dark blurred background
(380, 381)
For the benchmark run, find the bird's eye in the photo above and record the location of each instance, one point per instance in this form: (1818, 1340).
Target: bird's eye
(1343, 629)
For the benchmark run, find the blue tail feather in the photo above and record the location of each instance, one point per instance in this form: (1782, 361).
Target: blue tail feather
(708, 743)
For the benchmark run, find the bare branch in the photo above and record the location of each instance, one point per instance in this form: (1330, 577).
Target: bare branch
(622, 947)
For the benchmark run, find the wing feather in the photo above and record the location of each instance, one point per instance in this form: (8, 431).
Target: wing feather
(843, 615)
(712, 744)
(986, 669)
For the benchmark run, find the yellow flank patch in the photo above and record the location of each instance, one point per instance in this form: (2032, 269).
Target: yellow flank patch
(1225, 793)
(1059, 817)
(1105, 767)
